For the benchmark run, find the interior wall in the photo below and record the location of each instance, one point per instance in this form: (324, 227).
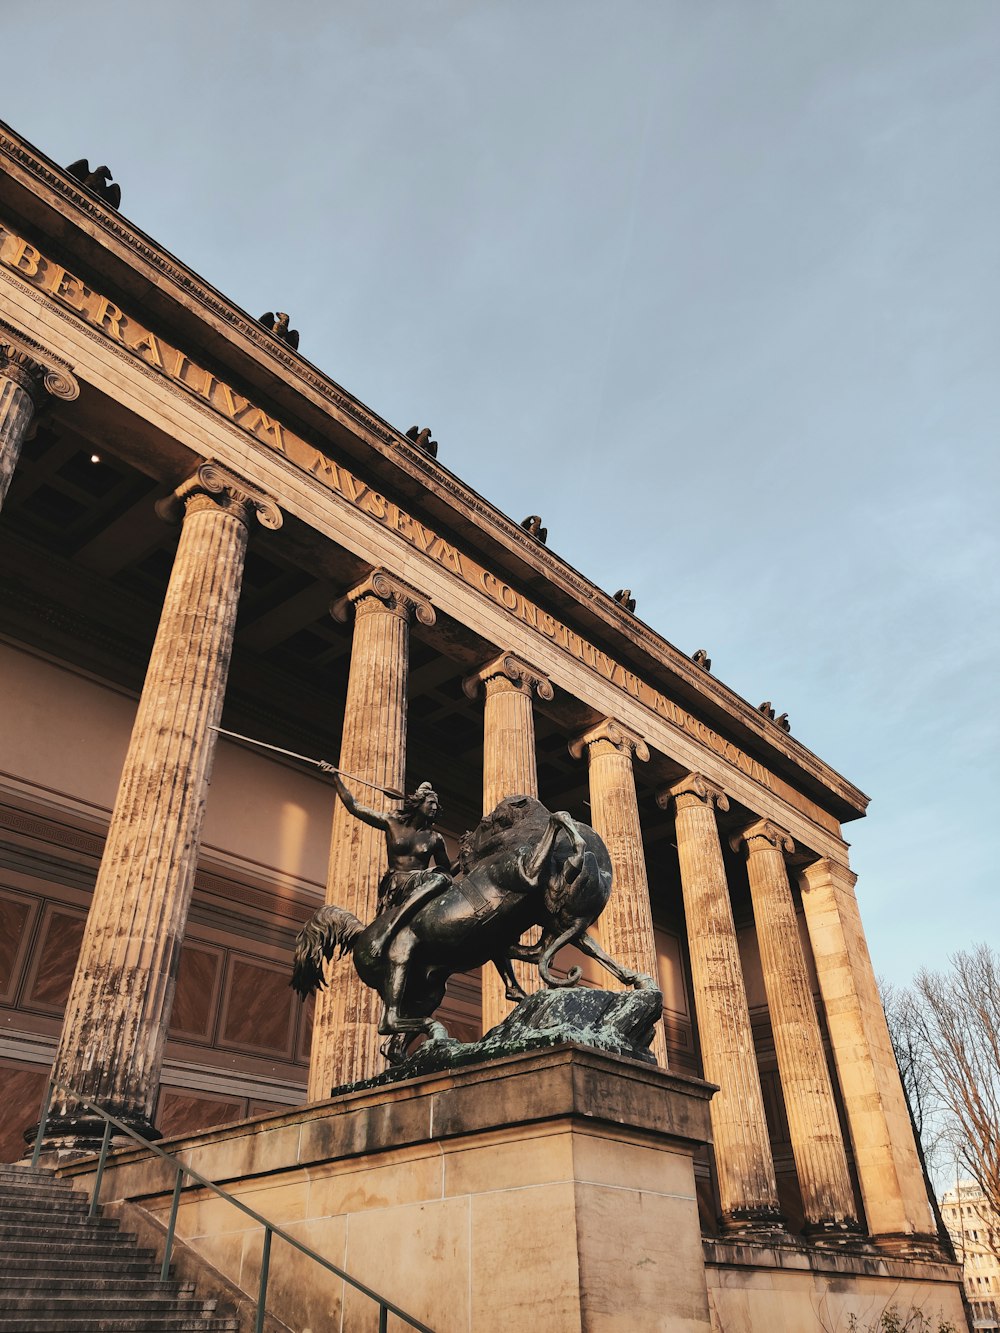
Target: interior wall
(68, 734)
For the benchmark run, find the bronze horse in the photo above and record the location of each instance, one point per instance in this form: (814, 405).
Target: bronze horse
(520, 867)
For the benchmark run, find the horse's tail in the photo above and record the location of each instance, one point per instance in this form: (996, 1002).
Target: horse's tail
(328, 933)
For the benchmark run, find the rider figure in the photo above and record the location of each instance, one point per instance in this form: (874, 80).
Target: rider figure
(411, 844)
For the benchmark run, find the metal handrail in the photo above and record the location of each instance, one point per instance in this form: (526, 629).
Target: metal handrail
(385, 1307)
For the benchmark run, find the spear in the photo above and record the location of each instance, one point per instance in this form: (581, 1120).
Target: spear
(305, 759)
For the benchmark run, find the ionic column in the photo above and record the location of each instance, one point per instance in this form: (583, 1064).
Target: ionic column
(509, 769)
(345, 1040)
(25, 381)
(817, 1142)
(626, 924)
(111, 1047)
(744, 1166)
(889, 1171)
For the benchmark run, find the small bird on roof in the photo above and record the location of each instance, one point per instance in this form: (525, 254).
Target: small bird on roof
(624, 598)
(533, 525)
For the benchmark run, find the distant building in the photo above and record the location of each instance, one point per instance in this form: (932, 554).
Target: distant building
(975, 1230)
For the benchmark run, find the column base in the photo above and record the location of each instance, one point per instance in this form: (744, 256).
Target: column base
(762, 1222)
(911, 1245)
(69, 1136)
(829, 1231)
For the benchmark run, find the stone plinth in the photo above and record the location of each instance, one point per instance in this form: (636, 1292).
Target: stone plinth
(549, 1190)
(756, 1287)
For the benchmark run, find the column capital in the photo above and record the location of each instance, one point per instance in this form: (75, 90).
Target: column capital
(826, 869)
(761, 834)
(699, 789)
(32, 366)
(394, 595)
(213, 486)
(610, 732)
(508, 672)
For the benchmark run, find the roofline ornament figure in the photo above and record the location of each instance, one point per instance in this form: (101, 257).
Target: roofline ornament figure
(276, 322)
(422, 439)
(98, 181)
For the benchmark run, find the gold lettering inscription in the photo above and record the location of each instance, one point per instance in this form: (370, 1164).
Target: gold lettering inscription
(64, 285)
(149, 349)
(107, 316)
(25, 258)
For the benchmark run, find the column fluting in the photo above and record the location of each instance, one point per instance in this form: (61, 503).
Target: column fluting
(814, 1128)
(748, 1190)
(889, 1170)
(25, 382)
(111, 1048)
(625, 927)
(509, 769)
(345, 1040)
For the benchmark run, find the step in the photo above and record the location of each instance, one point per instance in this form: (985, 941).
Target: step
(62, 1226)
(107, 1303)
(44, 1205)
(83, 1322)
(58, 1266)
(11, 1169)
(102, 1242)
(39, 1189)
(85, 1284)
(28, 1183)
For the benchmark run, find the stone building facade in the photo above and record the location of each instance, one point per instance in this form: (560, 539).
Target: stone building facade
(202, 529)
(975, 1233)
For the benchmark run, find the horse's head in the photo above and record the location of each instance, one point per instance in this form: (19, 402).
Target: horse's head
(504, 826)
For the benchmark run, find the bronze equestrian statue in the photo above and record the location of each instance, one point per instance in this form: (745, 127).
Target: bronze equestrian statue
(520, 867)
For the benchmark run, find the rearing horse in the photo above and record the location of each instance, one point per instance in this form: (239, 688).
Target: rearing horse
(521, 867)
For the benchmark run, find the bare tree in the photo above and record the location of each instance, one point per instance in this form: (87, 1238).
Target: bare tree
(958, 1017)
(932, 1126)
(908, 1031)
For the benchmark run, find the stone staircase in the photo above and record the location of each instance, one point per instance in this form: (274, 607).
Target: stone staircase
(64, 1272)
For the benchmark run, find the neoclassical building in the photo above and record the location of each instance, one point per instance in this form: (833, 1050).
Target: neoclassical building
(201, 529)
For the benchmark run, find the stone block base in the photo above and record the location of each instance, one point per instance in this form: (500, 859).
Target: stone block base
(792, 1287)
(552, 1189)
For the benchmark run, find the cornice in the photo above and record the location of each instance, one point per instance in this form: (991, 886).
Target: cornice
(100, 221)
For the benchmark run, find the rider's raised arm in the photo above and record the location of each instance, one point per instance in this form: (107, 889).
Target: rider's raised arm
(358, 810)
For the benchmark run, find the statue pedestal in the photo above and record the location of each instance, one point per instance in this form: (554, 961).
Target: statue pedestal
(551, 1189)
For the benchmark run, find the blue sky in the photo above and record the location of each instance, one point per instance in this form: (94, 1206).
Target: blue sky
(714, 287)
